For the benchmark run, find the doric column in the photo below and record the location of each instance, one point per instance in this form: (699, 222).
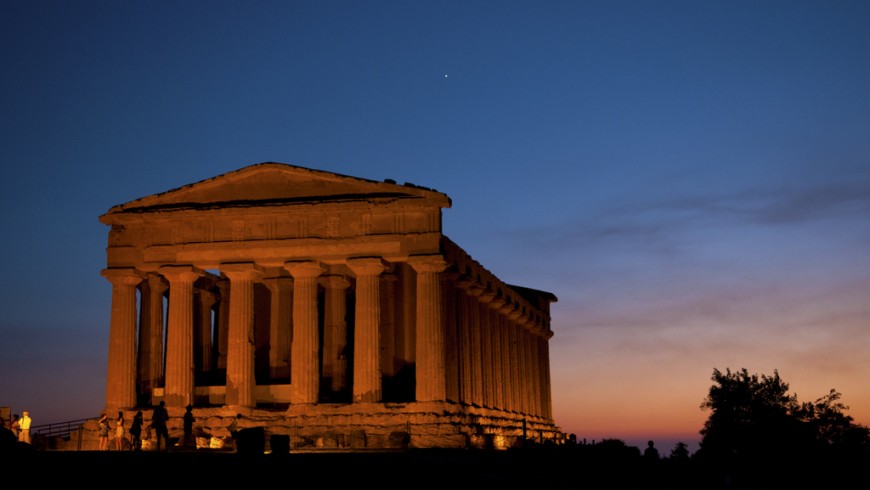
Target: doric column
(431, 374)
(202, 339)
(517, 386)
(151, 333)
(335, 331)
(223, 329)
(304, 364)
(280, 326)
(466, 355)
(477, 393)
(497, 360)
(452, 359)
(486, 347)
(548, 394)
(178, 391)
(121, 379)
(528, 389)
(241, 383)
(507, 360)
(388, 324)
(367, 317)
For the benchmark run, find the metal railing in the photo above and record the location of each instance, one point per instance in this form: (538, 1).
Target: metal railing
(59, 429)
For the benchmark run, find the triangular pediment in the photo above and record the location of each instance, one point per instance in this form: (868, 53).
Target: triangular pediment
(275, 184)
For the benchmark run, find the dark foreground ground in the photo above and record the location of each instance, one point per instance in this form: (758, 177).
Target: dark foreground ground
(420, 468)
(417, 468)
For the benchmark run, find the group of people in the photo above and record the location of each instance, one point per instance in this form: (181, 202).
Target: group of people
(20, 426)
(158, 426)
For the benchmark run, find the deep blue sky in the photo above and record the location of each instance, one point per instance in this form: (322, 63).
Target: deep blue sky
(690, 179)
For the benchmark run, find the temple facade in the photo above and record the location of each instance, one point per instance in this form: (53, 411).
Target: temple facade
(326, 307)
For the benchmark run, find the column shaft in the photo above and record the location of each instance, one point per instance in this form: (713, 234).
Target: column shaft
(335, 331)
(366, 342)
(304, 363)
(430, 353)
(121, 379)
(241, 382)
(178, 391)
(280, 327)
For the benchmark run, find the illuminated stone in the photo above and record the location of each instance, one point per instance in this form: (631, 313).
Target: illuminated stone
(327, 308)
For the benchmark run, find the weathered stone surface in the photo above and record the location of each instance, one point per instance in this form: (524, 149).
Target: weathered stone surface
(390, 334)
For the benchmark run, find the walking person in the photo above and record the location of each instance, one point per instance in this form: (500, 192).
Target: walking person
(120, 433)
(136, 432)
(158, 423)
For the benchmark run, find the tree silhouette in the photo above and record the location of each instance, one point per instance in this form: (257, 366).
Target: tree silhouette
(755, 425)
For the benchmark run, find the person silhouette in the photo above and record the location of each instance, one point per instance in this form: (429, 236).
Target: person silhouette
(103, 425)
(158, 423)
(136, 432)
(650, 453)
(234, 429)
(188, 427)
(120, 432)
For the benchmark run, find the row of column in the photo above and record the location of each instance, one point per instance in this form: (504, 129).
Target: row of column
(299, 320)
(503, 354)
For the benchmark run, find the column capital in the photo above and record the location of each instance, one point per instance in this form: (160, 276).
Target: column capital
(304, 268)
(180, 272)
(242, 270)
(278, 283)
(128, 276)
(366, 266)
(334, 282)
(427, 263)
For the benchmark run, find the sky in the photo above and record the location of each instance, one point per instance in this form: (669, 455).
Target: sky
(690, 179)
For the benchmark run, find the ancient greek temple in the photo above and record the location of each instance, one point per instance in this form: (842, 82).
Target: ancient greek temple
(325, 307)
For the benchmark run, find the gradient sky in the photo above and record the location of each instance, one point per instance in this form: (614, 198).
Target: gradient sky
(690, 179)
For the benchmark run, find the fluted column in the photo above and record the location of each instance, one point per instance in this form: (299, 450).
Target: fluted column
(507, 357)
(388, 324)
(431, 373)
(466, 355)
(451, 323)
(335, 331)
(497, 360)
(178, 391)
(304, 364)
(121, 379)
(204, 328)
(241, 382)
(548, 393)
(151, 333)
(517, 387)
(280, 326)
(223, 329)
(486, 347)
(366, 341)
(477, 382)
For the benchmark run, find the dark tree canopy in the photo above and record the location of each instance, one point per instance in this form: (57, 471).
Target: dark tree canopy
(754, 418)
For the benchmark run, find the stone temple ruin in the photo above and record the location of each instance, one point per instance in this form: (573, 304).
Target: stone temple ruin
(325, 308)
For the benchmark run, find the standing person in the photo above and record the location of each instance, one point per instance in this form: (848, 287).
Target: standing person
(158, 423)
(103, 425)
(120, 432)
(24, 427)
(136, 432)
(234, 430)
(188, 427)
